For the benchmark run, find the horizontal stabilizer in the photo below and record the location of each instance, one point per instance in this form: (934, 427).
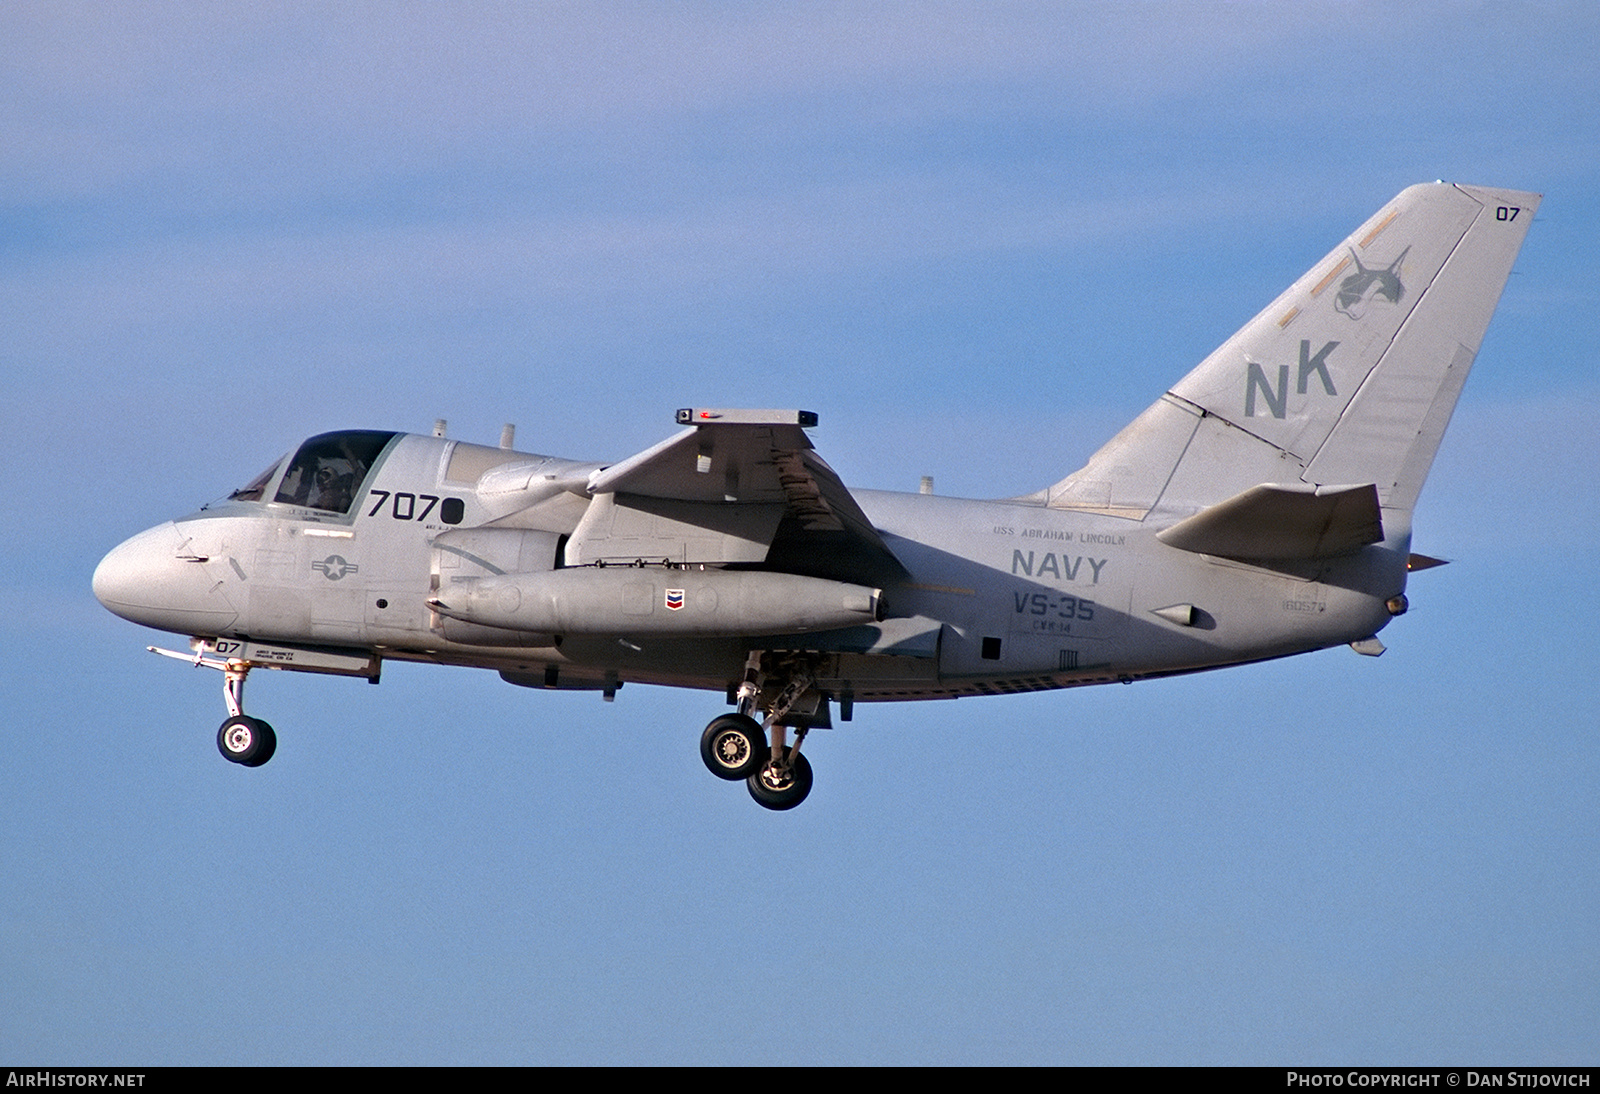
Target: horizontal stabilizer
(1283, 522)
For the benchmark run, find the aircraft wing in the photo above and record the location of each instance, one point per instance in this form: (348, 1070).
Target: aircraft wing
(737, 486)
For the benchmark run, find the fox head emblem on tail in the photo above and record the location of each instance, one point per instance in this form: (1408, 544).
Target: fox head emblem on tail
(1362, 287)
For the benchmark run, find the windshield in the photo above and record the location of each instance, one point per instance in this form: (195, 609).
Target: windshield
(258, 485)
(328, 471)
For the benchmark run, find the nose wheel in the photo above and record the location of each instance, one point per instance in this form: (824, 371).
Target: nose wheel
(241, 739)
(246, 741)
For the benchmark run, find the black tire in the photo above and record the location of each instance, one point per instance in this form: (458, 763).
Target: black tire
(247, 741)
(775, 789)
(269, 745)
(734, 747)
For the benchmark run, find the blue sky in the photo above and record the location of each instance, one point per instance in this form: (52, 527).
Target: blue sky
(976, 239)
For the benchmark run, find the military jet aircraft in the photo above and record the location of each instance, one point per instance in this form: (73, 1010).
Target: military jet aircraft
(1260, 508)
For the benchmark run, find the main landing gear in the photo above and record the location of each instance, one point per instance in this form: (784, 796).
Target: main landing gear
(241, 739)
(735, 746)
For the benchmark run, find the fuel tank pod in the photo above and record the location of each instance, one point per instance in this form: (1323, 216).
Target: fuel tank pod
(658, 601)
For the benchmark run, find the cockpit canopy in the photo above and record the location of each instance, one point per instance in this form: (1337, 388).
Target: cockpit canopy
(326, 473)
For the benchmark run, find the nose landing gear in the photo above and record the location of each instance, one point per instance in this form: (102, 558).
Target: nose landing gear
(241, 739)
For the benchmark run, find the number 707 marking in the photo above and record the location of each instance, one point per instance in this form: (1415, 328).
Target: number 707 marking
(404, 506)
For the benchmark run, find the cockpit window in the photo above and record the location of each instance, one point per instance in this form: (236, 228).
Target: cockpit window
(258, 485)
(328, 470)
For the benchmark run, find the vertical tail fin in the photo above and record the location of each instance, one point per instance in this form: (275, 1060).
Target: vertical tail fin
(1349, 377)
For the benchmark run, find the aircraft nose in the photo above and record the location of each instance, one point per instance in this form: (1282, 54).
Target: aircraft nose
(122, 579)
(145, 581)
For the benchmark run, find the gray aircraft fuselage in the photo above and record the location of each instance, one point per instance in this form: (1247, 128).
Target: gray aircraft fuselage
(999, 596)
(1261, 507)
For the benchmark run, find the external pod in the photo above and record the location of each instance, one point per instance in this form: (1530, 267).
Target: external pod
(658, 601)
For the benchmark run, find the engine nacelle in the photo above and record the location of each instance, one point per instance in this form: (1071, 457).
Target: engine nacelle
(464, 555)
(654, 600)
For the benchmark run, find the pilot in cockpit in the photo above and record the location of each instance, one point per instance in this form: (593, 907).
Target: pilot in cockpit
(332, 490)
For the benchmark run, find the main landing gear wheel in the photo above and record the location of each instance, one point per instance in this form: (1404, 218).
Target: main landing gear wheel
(782, 784)
(734, 747)
(246, 740)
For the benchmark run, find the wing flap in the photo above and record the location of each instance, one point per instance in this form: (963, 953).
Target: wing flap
(622, 528)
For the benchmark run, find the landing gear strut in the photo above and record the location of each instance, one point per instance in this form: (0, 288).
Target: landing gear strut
(736, 746)
(241, 739)
(784, 780)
